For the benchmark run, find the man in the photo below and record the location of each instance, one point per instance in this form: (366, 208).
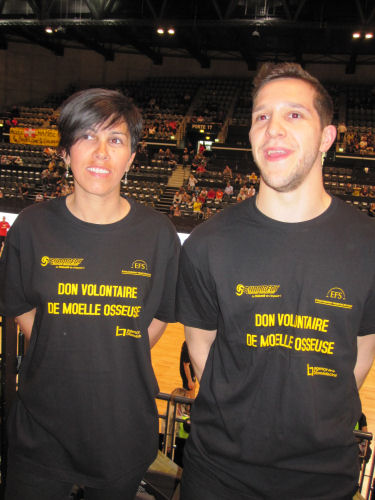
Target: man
(4, 227)
(275, 293)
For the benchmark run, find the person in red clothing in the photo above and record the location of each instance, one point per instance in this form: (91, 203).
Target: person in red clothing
(211, 194)
(4, 227)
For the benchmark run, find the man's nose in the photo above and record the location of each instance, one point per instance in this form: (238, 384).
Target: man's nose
(275, 126)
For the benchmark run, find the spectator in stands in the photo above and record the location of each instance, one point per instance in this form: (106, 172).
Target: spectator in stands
(202, 149)
(185, 159)
(341, 129)
(23, 190)
(201, 168)
(177, 198)
(227, 173)
(202, 195)
(242, 194)
(211, 194)
(90, 334)
(371, 210)
(253, 178)
(197, 208)
(18, 161)
(219, 194)
(251, 191)
(177, 211)
(228, 191)
(207, 213)
(238, 180)
(39, 197)
(306, 400)
(185, 197)
(4, 228)
(192, 181)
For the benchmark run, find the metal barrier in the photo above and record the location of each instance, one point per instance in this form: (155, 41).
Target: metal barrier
(366, 483)
(8, 359)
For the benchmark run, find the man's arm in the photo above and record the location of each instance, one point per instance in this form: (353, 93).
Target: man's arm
(155, 331)
(199, 343)
(365, 357)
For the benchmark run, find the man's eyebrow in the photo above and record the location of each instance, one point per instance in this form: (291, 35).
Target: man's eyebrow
(289, 104)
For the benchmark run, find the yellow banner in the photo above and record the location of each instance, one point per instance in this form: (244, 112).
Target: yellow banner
(37, 136)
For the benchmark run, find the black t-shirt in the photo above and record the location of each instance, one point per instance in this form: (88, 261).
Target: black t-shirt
(85, 410)
(278, 400)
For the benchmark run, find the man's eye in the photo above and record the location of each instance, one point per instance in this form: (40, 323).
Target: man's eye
(116, 140)
(260, 118)
(294, 114)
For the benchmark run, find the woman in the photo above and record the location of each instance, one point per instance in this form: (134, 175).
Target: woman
(90, 279)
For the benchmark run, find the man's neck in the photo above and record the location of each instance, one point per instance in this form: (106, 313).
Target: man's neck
(302, 204)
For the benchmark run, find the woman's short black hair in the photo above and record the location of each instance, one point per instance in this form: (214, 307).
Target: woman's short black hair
(93, 108)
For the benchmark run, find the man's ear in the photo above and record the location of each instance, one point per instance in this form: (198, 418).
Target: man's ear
(328, 138)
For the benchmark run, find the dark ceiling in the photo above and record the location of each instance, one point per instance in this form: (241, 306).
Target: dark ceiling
(308, 31)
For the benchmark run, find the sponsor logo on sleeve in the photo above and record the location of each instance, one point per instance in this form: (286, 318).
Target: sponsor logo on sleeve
(138, 268)
(61, 262)
(335, 297)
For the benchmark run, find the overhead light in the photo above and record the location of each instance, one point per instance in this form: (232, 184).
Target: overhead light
(356, 34)
(201, 130)
(49, 30)
(368, 36)
(171, 31)
(207, 137)
(160, 31)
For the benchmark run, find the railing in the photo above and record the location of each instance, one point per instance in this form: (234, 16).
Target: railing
(177, 410)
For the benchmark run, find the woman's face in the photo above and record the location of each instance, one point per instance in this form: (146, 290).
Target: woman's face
(100, 158)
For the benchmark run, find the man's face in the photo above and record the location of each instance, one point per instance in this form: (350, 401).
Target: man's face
(286, 133)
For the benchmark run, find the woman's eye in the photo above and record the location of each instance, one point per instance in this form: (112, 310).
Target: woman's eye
(116, 140)
(88, 137)
(261, 118)
(294, 114)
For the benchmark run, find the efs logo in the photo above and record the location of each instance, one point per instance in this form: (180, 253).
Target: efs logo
(336, 293)
(139, 265)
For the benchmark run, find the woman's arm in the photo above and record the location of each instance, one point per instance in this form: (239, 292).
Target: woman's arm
(155, 331)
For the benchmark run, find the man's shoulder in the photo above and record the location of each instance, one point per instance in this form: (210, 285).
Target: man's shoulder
(352, 219)
(221, 224)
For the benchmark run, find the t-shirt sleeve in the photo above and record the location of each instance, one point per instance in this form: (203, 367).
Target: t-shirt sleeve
(12, 295)
(367, 326)
(166, 309)
(196, 293)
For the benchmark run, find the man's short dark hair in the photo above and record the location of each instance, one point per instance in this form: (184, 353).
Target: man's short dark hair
(270, 71)
(93, 108)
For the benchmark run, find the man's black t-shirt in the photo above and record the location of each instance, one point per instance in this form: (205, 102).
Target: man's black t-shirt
(278, 400)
